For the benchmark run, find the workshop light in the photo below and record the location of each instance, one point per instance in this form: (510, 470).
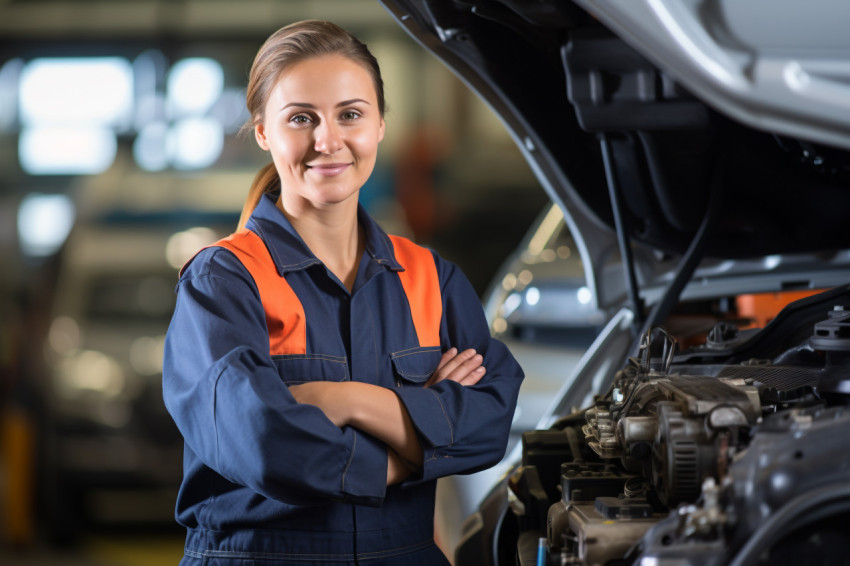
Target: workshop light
(90, 370)
(66, 151)
(194, 84)
(76, 91)
(512, 302)
(149, 148)
(195, 143)
(183, 245)
(44, 222)
(146, 354)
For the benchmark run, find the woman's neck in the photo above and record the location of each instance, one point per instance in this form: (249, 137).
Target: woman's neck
(333, 235)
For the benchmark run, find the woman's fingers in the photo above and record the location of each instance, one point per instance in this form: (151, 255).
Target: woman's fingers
(474, 376)
(464, 367)
(446, 357)
(463, 360)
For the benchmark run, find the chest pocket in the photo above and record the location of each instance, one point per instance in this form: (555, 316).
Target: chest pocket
(413, 367)
(295, 369)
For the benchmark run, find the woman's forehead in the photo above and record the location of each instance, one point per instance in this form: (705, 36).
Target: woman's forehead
(324, 79)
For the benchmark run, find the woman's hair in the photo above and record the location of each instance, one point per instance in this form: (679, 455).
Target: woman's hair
(284, 48)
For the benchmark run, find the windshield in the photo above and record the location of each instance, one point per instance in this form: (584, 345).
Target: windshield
(127, 298)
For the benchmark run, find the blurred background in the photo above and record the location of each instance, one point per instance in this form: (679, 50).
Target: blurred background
(119, 159)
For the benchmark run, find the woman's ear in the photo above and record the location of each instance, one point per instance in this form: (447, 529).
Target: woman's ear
(381, 130)
(260, 136)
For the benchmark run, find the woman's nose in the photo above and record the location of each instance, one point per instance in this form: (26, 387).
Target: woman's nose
(328, 138)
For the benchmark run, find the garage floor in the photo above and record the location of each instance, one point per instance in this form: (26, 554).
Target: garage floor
(102, 550)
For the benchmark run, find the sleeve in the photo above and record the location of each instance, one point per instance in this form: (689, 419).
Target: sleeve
(464, 429)
(235, 412)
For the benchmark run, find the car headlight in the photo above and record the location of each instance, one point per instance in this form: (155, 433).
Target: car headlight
(89, 371)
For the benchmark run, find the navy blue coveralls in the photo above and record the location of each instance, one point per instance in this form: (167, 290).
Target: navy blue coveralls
(270, 481)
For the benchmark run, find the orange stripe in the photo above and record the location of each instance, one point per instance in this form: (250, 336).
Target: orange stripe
(285, 319)
(422, 286)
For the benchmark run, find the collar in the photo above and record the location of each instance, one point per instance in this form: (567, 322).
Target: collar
(289, 251)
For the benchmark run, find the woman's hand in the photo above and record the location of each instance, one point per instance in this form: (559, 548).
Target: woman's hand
(464, 367)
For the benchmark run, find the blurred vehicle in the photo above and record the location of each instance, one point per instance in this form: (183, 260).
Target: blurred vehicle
(539, 305)
(111, 454)
(699, 153)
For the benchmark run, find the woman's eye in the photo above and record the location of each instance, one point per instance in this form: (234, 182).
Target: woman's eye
(300, 119)
(350, 115)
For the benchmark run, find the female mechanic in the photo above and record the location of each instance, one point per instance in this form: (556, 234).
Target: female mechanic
(322, 373)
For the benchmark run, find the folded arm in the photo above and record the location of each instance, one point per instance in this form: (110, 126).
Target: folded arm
(379, 411)
(235, 413)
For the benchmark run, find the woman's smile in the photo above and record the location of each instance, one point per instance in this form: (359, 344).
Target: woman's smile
(329, 169)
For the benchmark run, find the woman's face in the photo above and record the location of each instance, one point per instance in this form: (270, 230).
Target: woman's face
(322, 127)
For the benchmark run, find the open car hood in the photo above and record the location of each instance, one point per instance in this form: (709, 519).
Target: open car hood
(702, 129)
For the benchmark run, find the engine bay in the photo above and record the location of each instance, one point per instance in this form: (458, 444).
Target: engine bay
(734, 451)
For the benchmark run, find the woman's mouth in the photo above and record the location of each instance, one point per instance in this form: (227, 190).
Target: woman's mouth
(329, 169)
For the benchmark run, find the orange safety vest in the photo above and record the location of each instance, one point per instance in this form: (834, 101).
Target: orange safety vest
(287, 325)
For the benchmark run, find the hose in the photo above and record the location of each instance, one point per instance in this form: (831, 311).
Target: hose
(836, 497)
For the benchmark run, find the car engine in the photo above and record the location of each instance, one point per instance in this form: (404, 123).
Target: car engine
(714, 455)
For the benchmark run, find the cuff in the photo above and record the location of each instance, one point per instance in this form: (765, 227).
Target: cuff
(364, 479)
(429, 415)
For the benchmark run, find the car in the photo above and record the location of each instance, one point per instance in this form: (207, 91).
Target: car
(538, 304)
(700, 156)
(110, 454)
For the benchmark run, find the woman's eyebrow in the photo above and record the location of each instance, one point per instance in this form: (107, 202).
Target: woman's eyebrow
(313, 106)
(352, 101)
(299, 105)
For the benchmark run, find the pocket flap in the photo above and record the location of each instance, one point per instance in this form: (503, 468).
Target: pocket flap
(300, 368)
(416, 364)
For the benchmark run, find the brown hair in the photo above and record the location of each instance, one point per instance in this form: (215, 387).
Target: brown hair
(284, 48)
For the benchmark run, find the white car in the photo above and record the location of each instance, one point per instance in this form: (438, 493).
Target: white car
(539, 305)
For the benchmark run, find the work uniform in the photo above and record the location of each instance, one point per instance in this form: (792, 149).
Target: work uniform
(270, 481)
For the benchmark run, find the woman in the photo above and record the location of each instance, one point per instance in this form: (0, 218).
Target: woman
(322, 373)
